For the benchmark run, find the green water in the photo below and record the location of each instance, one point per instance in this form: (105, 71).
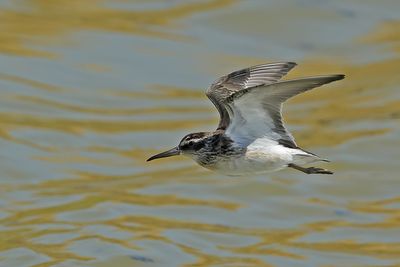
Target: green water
(91, 89)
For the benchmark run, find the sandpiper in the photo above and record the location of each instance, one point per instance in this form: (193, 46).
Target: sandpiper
(251, 136)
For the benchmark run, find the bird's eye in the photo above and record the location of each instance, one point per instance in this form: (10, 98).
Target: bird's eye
(191, 143)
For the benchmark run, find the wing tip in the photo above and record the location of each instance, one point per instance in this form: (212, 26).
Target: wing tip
(335, 77)
(338, 77)
(325, 78)
(291, 65)
(288, 64)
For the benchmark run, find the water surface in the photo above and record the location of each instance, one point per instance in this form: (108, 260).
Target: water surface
(90, 89)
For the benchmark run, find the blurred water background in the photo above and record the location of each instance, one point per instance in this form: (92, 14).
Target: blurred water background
(90, 89)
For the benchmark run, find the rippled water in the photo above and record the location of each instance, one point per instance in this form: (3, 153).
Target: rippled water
(90, 89)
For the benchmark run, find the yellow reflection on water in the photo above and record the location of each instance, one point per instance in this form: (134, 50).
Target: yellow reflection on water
(387, 33)
(328, 117)
(18, 121)
(109, 111)
(43, 21)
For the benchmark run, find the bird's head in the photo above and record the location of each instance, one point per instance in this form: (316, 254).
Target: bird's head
(189, 145)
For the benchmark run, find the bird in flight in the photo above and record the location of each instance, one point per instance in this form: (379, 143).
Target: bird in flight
(251, 136)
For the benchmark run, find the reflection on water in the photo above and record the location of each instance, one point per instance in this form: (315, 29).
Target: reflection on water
(38, 19)
(90, 89)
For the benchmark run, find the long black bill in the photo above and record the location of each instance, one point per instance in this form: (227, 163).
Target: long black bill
(172, 152)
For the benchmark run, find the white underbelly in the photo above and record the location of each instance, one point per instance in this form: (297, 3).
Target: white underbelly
(255, 161)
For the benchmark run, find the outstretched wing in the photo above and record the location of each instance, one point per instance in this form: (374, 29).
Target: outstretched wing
(223, 88)
(257, 111)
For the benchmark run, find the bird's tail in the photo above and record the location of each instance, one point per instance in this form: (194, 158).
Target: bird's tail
(308, 157)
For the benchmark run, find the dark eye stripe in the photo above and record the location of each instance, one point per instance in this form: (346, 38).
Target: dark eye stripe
(197, 146)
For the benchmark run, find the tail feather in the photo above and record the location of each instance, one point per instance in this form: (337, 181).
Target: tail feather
(306, 157)
(315, 155)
